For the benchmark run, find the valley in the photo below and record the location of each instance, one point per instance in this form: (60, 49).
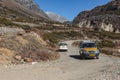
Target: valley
(30, 37)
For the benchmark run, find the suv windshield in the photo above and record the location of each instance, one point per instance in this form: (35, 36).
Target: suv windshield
(88, 45)
(63, 44)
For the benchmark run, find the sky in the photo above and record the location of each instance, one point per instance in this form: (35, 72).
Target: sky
(69, 8)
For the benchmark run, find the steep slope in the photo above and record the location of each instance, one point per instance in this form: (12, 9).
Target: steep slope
(104, 17)
(56, 17)
(32, 6)
(24, 7)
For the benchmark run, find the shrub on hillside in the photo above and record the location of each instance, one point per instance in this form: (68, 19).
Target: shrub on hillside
(110, 35)
(107, 52)
(106, 43)
(54, 37)
(5, 22)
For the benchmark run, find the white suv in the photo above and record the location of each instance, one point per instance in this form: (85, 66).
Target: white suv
(63, 46)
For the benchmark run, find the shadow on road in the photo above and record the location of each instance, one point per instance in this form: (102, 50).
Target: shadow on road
(76, 57)
(79, 57)
(61, 50)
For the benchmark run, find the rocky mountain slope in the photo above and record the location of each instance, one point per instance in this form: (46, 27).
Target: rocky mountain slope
(104, 17)
(56, 17)
(24, 7)
(31, 5)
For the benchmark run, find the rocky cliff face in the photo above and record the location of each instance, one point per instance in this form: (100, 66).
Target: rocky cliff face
(104, 17)
(24, 7)
(56, 17)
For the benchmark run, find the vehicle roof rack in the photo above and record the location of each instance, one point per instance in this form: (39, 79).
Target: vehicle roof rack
(85, 41)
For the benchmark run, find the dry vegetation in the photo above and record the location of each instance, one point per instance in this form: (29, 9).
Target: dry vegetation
(6, 55)
(24, 48)
(107, 39)
(55, 37)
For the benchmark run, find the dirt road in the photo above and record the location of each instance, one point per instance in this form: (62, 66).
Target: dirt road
(68, 67)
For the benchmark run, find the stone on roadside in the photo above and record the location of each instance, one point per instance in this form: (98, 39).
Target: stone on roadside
(28, 60)
(119, 50)
(17, 57)
(34, 63)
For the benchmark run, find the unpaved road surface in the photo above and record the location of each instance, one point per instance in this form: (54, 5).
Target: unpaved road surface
(68, 67)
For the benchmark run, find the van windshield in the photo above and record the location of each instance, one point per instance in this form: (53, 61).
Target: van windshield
(88, 45)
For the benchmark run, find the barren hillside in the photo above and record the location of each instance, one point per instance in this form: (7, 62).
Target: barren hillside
(21, 7)
(104, 17)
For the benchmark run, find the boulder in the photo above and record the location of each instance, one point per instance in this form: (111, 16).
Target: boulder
(17, 57)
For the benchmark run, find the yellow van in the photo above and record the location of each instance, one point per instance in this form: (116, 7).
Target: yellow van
(88, 49)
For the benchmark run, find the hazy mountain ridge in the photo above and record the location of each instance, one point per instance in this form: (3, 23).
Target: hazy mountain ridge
(104, 17)
(56, 17)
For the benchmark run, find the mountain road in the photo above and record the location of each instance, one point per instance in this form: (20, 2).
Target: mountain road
(69, 67)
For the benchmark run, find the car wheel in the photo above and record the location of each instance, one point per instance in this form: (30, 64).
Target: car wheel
(97, 57)
(83, 56)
